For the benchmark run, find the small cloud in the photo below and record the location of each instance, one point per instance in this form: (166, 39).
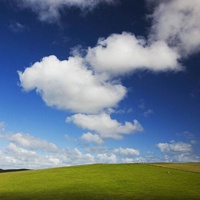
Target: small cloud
(107, 158)
(61, 40)
(17, 27)
(148, 112)
(126, 152)
(130, 110)
(89, 137)
(186, 134)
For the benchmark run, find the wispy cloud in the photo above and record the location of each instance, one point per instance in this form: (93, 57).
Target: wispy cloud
(17, 27)
(148, 112)
(50, 11)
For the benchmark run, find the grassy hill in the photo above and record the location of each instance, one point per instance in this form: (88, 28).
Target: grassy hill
(102, 182)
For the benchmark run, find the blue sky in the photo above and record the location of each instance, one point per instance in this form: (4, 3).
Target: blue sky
(108, 81)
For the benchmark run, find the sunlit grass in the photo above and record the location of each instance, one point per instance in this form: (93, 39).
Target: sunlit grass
(190, 167)
(120, 181)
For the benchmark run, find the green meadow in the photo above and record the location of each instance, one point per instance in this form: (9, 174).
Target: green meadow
(104, 182)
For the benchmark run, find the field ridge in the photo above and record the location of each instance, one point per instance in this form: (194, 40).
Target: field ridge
(193, 167)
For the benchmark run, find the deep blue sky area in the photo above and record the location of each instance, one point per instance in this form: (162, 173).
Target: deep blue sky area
(119, 83)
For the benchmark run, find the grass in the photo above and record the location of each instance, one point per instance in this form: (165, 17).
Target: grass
(101, 182)
(189, 167)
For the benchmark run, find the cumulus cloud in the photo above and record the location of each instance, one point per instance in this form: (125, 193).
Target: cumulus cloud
(107, 158)
(127, 152)
(12, 148)
(174, 35)
(69, 85)
(17, 157)
(178, 152)
(30, 142)
(176, 22)
(124, 53)
(50, 10)
(175, 147)
(104, 125)
(89, 137)
(90, 84)
(86, 84)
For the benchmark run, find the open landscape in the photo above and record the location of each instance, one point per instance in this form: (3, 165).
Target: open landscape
(99, 100)
(104, 181)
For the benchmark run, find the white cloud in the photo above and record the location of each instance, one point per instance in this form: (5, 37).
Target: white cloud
(176, 22)
(69, 85)
(124, 53)
(175, 33)
(12, 148)
(14, 156)
(175, 147)
(30, 142)
(127, 152)
(17, 157)
(106, 158)
(49, 10)
(104, 125)
(89, 137)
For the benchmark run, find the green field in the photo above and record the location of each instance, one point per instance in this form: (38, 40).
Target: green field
(102, 182)
(189, 167)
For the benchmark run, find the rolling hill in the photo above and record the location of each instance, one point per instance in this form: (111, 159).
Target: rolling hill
(102, 181)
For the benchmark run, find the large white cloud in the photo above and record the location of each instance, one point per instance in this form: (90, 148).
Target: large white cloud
(69, 85)
(104, 125)
(177, 23)
(49, 10)
(124, 53)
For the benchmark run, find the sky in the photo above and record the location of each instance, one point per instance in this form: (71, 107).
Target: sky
(99, 81)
